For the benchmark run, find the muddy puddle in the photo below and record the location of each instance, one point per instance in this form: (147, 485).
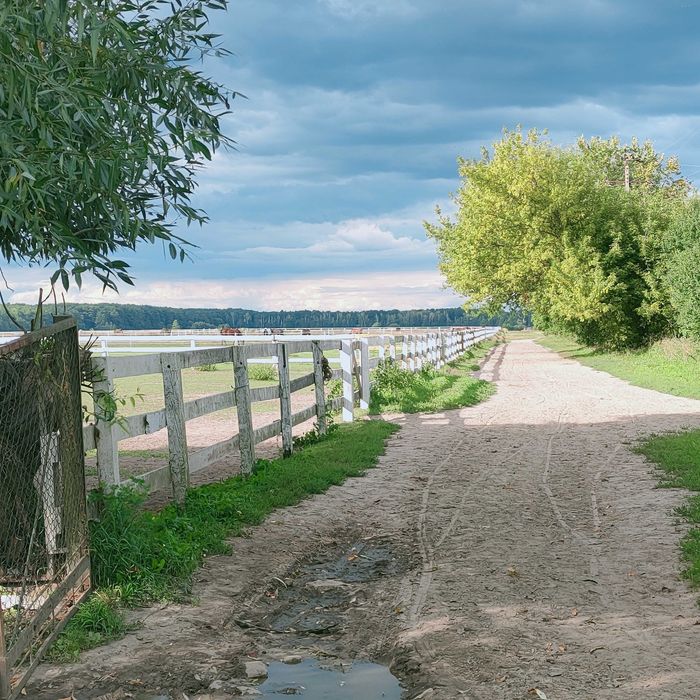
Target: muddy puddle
(314, 599)
(311, 681)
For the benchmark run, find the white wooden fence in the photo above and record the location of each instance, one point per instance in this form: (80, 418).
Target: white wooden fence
(356, 361)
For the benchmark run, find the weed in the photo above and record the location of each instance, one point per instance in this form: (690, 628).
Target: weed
(395, 389)
(678, 456)
(97, 621)
(206, 368)
(262, 373)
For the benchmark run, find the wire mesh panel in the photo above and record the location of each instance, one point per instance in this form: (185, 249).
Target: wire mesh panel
(44, 565)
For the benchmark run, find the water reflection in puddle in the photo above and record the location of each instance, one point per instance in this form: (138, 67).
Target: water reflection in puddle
(362, 680)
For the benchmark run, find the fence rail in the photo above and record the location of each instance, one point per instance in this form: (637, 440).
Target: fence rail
(357, 357)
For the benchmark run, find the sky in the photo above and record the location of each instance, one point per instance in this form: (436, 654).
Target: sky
(355, 115)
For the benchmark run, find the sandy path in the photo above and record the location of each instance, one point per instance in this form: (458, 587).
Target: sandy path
(530, 549)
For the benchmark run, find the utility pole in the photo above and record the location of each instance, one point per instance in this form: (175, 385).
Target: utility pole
(627, 158)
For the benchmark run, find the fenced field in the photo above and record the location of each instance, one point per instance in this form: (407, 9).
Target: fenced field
(184, 420)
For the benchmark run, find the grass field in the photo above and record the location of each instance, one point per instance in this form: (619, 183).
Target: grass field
(400, 391)
(671, 366)
(678, 456)
(139, 556)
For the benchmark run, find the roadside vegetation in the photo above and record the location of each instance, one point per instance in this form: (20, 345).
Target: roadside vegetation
(671, 366)
(678, 456)
(139, 556)
(398, 390)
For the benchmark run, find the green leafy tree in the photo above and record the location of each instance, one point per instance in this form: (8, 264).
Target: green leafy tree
(546, 229)
(104, 124)
(683, 268)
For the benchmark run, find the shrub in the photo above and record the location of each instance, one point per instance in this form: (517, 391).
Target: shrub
(262, 373)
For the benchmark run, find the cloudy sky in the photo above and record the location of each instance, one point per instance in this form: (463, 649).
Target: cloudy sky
(356, 113)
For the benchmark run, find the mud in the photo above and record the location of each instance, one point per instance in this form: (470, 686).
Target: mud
(516, 549)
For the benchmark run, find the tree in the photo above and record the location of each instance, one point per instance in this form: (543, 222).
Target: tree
(545, 229)
(104, 124)
(683, 268)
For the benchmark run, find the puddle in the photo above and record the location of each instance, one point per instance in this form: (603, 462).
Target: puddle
(317, 597)
(309, 680)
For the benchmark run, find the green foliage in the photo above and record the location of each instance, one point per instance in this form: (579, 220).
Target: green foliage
(206, 368)
(314, 435)
(550, 230)
(683, 269)
(678, 455)
(97, 621)
(103, 127)
(395, 389)
(262, 373)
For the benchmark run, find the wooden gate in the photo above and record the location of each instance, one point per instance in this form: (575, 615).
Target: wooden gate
(44, 562)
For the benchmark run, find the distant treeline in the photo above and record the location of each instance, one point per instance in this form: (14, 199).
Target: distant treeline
(138, 317)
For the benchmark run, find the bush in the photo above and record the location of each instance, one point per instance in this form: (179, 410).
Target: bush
(262, 373)
(683, 280)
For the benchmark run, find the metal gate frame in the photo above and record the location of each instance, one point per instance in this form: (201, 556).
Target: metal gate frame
(19, 657)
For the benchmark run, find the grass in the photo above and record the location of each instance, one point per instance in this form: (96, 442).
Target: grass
(678, 456)
(671, 366)
(396, 390)
(139, 556)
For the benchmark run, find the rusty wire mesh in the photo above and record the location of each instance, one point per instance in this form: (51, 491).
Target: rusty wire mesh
(43, 526)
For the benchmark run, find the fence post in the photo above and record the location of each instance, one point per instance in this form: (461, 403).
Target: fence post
(105, 438)
(285, 399)
(364, 373)
(382, 348)
(346, 363)
(392, 348)
(175, 420)
(319, 389)
(245, 417)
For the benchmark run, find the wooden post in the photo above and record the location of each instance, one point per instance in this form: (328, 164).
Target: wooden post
(319, 389)
(364, 373)
(404, 351)
(382, 348)
(105, 437)
(243, 408)
(392, 348)
(175, 420)
(346, 366)
(285, 399)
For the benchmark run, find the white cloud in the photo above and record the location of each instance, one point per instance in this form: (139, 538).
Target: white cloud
(379, 290)
(354, 9)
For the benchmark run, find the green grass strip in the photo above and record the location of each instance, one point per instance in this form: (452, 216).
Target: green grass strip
(678, 456)
(140, 556)
(396, 390)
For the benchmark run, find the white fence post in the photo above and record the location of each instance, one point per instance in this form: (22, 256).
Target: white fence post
(392, 348)
(245, 417)
(175, 421)
(285, 399)
(319, 389)
(412, 352)
(382, 347)
(364, 373)
(105, 438)
(346, 366)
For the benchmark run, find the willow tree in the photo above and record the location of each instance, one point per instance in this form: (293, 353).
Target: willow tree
(543, 228)
(104, 123)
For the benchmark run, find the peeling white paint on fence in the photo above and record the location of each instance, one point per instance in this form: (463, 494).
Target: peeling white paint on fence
(356, 361)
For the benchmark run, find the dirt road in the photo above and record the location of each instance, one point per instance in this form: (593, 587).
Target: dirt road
(513, 546)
